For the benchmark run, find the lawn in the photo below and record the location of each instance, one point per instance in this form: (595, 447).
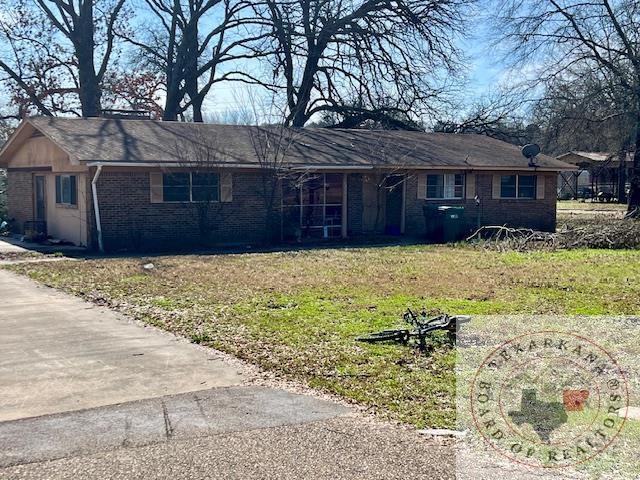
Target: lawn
(590, 205)
(298, 313)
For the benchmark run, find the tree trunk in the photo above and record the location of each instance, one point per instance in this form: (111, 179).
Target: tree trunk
(172, 102)
(89, 83)
(191, 70)
(622, 177)
(196, 105)
(299, 116)
(90, 91)
(633, 206)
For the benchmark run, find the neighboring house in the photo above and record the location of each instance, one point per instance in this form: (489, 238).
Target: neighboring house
(335, 183)
(596, 172)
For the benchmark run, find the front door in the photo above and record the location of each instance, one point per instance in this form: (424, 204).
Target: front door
(41, 199)
(393, 204)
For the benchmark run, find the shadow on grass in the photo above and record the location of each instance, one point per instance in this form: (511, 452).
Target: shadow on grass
(235, 249)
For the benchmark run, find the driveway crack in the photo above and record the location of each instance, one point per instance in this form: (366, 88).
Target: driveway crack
(168, 428)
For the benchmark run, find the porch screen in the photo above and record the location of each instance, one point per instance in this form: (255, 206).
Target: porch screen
(312, 206)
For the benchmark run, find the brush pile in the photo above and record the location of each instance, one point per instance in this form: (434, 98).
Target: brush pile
(601, 233)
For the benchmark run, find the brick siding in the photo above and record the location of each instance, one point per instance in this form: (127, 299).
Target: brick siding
(130, 221)
(536, 214)
(19, 198)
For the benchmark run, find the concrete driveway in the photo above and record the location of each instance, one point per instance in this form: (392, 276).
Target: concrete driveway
(59, 353)
(86, 393)
(7, 245)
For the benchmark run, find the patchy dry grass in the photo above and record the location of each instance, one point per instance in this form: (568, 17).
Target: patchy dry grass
(589, 205)
(298, 313)
(14, 256)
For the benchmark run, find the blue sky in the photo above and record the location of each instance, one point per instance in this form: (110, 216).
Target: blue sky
(486, 70)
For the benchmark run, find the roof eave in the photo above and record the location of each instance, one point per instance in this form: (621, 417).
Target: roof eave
(9, 146)
(4, 155)
(72, 157)
(106, 163)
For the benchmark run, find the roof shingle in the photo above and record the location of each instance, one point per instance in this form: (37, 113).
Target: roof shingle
(146, 141)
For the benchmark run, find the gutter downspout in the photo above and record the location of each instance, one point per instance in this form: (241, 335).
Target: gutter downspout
(96, 208)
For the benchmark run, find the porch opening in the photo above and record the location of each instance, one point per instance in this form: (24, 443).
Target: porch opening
(312, 206)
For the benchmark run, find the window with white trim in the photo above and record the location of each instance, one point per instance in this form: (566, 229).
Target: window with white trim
(66, 190)
(190, 187)
(445, 186)
(518, 186)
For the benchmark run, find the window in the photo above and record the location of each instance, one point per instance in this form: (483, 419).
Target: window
(508, 186)
(66, 190)
(518, 186)
(190, 187)
(446, 186)
(175, 187)
(312, 206)
(526, 186)
(204, 187)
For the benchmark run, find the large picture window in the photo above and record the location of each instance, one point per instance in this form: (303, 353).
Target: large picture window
(518, 186)
(190, 187)
(66, 190)
(312, 205)
(445, 186)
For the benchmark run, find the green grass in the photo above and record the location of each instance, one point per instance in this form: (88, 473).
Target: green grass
(298, 313)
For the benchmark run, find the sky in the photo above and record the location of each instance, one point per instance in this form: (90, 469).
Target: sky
(486, 70)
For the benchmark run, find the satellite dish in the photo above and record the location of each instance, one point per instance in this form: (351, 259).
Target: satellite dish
(531, 150)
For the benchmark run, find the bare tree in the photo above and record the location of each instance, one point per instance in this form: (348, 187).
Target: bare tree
(86, 26)
(502, 114)
(368, 59)
(570, 39)
(271, 145)
(134, 91)
(195, 44)
(381, 118)
(586, 113)
(201, 160)
(37, 72)
(389, 171)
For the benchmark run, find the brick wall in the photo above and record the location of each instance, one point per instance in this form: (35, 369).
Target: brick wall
(536, 214)
(19, 198)
(354, 204)
(130, 221)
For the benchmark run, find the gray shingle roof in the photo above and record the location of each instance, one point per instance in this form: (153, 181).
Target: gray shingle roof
(146, 141)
